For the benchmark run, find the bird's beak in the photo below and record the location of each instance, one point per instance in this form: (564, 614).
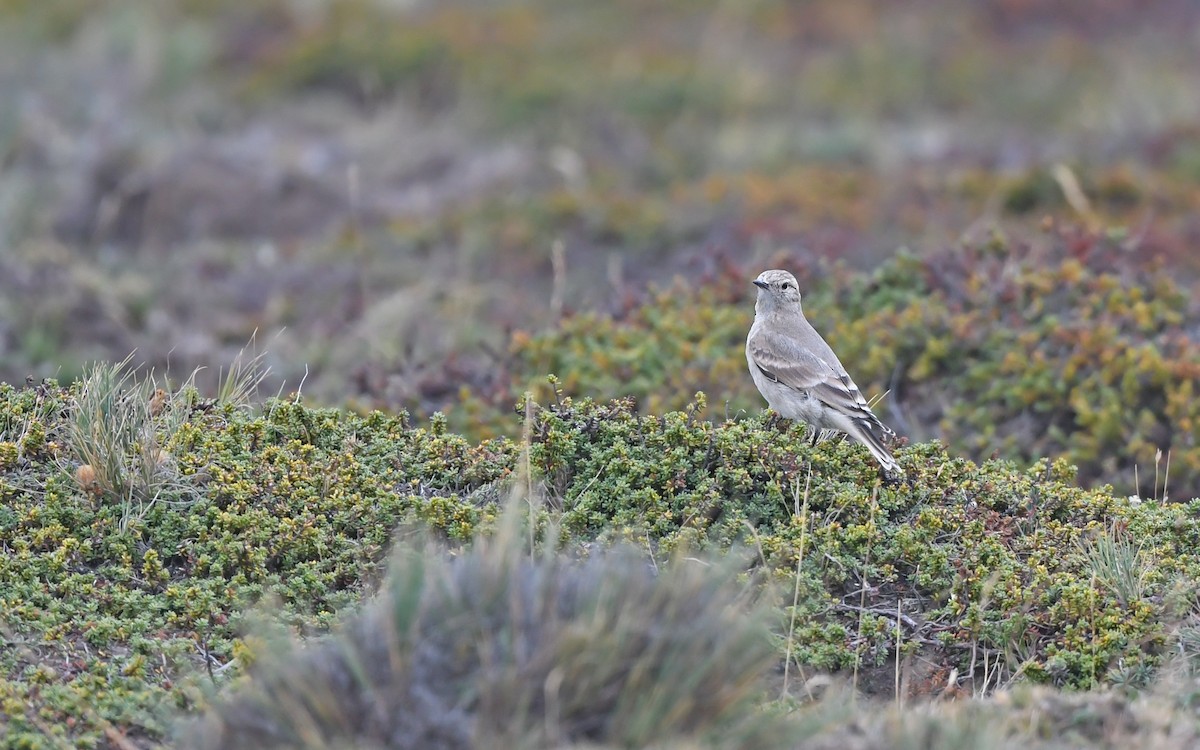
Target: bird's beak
(760, 284)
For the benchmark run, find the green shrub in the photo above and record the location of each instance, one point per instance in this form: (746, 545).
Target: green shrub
(288, 503)
(1002, 349)
(985, 573)
(991, 559)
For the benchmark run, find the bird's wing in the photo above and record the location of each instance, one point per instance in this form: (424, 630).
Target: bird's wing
(785, 360)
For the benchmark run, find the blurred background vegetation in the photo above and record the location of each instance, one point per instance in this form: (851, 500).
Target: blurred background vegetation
(995, 205)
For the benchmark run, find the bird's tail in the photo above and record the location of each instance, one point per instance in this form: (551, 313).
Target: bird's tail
(872, 433)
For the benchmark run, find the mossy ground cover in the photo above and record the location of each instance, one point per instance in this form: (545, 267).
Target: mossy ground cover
(121, 610)
(111, 599)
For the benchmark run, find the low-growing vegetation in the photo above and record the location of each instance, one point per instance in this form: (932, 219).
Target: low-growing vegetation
(965, 580)
(1071, 345)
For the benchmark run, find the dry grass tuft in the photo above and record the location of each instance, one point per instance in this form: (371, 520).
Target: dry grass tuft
(493, 647)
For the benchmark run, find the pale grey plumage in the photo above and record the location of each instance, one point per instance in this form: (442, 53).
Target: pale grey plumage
(800, 376)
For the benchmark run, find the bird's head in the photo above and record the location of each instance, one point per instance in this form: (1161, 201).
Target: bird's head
(777, 290)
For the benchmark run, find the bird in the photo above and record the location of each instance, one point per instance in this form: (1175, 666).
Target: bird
(801, 378)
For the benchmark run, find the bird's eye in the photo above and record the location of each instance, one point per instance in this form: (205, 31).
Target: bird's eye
(786, 285)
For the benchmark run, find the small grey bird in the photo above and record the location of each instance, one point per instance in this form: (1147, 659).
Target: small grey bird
(800, 376)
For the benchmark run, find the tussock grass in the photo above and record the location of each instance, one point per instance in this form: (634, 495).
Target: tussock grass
(121, 425)
(117, 431)
(1117, 563)
(498, 647)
